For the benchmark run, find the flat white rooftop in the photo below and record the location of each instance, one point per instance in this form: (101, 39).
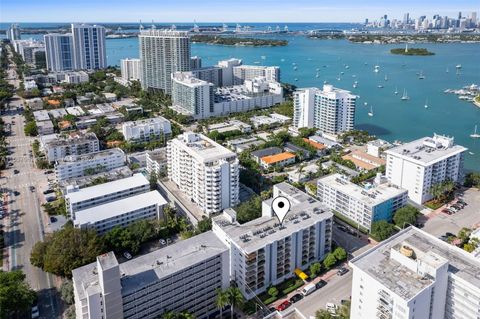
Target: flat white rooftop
(201, 147)
(83, 194)
(427, 150)
(371, 194)
(119, 207)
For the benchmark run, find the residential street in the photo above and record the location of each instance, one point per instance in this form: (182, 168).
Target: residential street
(24, 225)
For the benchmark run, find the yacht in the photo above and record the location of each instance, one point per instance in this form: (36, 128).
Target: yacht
(380, 86)
(376, 69)
(421, 76)
(386, 77)
(396, 91)
(405, 96)
(371, 111)
(458, 66)
(475, 134)
(365, 103)
(295, 68)
(317, 75)
(426, 104)
(355, 85)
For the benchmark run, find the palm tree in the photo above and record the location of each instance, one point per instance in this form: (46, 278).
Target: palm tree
(235, 298)
(221, 301)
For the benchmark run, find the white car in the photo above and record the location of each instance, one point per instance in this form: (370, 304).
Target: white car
(162, 242)
(127, 255)
(332, 308)
(35, 313)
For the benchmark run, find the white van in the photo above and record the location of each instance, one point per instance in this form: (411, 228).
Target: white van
(308, 289)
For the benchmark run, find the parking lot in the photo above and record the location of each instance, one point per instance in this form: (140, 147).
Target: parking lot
(439, 223)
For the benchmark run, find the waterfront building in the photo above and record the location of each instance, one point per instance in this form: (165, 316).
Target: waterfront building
(162, 53)
(264, 252)
(13, 32)
(227, 70)
(89, 48)
(191, 95)
(148, 129)
(205, 171)
(242, 73)
(364, 161)
(123, 212)
(331, 110)
(73, 144)
(59, 52)
(363, 205)
(211, 74)
(32, 51)
(77, 199)
(73, 166)
(415, 275)
(418, 165)
(195, 62)
(131, 69)
(378, 147)
(183, 276)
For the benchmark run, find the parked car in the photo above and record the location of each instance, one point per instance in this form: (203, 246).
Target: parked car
(284, 305)
(308, 289)
(48, 191)
(35, 313)
(342, 271)
(127, 255)
(16, 171)
(32, 188)
(162, 242)
(296, 297)
(320, 284)
(53, 219)
(448, 234)
(332, 308)
(16, 193)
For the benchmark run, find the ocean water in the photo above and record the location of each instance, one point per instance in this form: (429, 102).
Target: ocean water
(393, 118)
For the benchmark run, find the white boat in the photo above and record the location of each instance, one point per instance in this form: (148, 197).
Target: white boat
(342, 73)
(447, 70)
(386, 77)
(475, 134)
(380, 86)
(396, 91)
(347, 67)
(371, 111)
(283, 60)
(405, 96)
(317, 75)
(458, 66)
(365, 103)
(426, 104)
(376, 69)
(354, 85)
(296, 79)
(325, 82)
(421, 76)
(471, 153)
(295, 68)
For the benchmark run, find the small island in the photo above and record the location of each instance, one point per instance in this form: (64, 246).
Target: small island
(221, 40)
(412, 51)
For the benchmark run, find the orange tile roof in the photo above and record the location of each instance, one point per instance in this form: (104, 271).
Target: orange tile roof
(113, 143)
(54, 102)
(64, 124)
(318, 146)
(277, 157)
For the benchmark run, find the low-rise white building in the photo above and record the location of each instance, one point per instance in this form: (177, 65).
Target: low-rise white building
(148, 129)
(59, 146)
(204, 170)
(264, 252)
(72, 166)
(271, 120)
(232, 125)
(122, 212)
(415, 275)
(184, 276)
(363, 205)
(34, 104)
(156, 161)
(423, 163)
(378, 147)
(80, 199)
(44, 127)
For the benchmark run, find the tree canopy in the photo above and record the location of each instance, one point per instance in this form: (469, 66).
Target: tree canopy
(16, 296)
(405, 216)
(382, 230)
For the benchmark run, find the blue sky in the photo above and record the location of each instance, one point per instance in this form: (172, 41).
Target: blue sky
(223, 11)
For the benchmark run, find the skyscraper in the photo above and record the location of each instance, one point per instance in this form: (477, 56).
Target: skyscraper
(163, 52)
(59, 51)
(13, 33)
(331, 110)
(130, 69)
(89, 47)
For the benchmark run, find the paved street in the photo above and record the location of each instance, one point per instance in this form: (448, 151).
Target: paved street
(24, 224)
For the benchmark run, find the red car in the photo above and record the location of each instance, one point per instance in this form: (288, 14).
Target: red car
(284, 305)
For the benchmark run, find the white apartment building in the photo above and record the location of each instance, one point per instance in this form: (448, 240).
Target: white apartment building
(264, 252)
(204, 170)
(59, 52)
(56, 148)
(122, 212)
(131, 69)
(331, 110)
(156, 161)
(415, 275)
(211, 74)
(28, 49)
(242, 73)
(195, 62)
(148, 129)
(72, 166)
(163, 52)
(227, 70)
(89, 49)
(420, 164)
(362, 205)
(191, 95)
(180, 277)
(13, 33)
(77, 199)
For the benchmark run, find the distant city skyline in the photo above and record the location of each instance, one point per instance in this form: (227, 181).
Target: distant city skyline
(219, 11)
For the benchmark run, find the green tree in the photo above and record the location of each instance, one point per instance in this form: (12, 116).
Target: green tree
(31, 129)
(340, 254)
(204, 225)
(323, 314)
(221, 301)
(382, 230)
(249, 210)
(472, 179)
(272, 291)
(153, 180)
(329, 261)
(235, 299)
(405, 216)
(66, 292)
(16, 296)
(315, 269)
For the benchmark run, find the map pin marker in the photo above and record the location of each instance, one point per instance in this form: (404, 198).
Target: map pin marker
(281, 206)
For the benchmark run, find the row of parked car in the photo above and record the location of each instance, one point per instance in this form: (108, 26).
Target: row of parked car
(452, 209)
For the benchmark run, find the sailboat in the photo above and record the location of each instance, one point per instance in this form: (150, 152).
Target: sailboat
(386, 77)
(475, 134)
(371, 111)
(426, 104)
(396, 91)
(405, 96)
(317, 75)
(376, 69)
(421, 76)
